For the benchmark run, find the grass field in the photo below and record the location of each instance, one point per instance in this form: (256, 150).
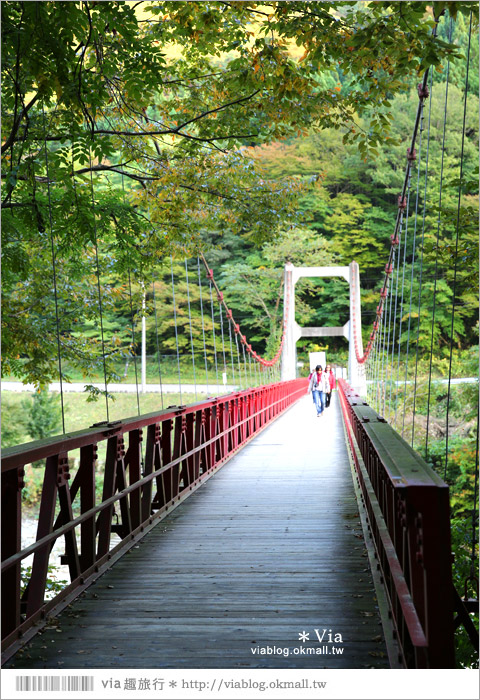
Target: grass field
(79, 413)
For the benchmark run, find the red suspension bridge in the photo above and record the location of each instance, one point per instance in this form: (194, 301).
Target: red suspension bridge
(349, 545)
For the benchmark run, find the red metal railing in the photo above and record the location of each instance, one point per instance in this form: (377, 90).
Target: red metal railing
(409, 519)
(184, 447)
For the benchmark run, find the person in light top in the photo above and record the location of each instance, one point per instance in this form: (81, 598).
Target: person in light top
(319, 385)
(332, 382)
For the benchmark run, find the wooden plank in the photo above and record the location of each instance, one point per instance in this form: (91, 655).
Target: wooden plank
(271, 547)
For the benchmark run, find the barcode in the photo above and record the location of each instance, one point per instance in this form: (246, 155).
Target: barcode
(52, 683)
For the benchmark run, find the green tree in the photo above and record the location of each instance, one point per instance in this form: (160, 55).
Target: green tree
(44, 415)
(13, 428)
(254, 287)
(354, 205)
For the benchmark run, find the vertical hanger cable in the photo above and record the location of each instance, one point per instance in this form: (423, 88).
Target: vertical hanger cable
(157, 343)
(133, 340)
(435, 279)
(457, 231)
(412, 265)
(176, 330)
(54, 269)
(100, 306)
(203, 323)
(190, 326)
(420, 277)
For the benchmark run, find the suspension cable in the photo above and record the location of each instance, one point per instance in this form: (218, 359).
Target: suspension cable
(156, 337)
(54, 269)
(245, 363)
(394, 312)
(382, 362)
(454, 286)
(375, 369)
(375, 373)
(133, 340)
(373, 366)
(404, 262)
(436, 260)
(190, 326)
(231, 348)
(176, 330)
(417, 193)
(236, 326)
(386, 338)
(238, 355)
(380, 341)
(203, 324)
(132, 317)
(371, 380)
(213, 333)
(224, 373)
(422, 93)
(420, 280)
(98, 285)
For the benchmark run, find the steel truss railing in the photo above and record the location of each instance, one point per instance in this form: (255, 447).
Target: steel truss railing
(408, 512)
(184, 447)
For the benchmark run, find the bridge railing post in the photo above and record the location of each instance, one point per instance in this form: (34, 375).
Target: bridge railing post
(12, 485)
(430, 555)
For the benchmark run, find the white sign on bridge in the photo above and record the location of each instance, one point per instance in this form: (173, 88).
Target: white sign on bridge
(317, 358)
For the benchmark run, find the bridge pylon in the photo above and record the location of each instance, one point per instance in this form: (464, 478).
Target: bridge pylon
(351, 330)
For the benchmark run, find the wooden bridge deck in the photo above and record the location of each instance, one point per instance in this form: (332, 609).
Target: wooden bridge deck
(269, 548)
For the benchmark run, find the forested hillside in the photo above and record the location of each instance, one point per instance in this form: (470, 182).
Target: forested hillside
(349, 207)
(254, 134)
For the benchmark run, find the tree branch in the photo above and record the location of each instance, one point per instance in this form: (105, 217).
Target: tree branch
(177, 130)
(16, 124)
(111, 132)
(11, 205)
(256, 12)
(115, 169)
(217, 109)
(258, 297)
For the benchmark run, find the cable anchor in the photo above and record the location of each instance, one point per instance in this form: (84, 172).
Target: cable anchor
(411, 155)
(423, 91)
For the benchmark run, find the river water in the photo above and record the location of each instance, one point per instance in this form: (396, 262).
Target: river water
(57, 571)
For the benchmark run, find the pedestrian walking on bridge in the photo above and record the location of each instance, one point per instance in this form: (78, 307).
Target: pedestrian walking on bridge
(319, 386)
(332, 382)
